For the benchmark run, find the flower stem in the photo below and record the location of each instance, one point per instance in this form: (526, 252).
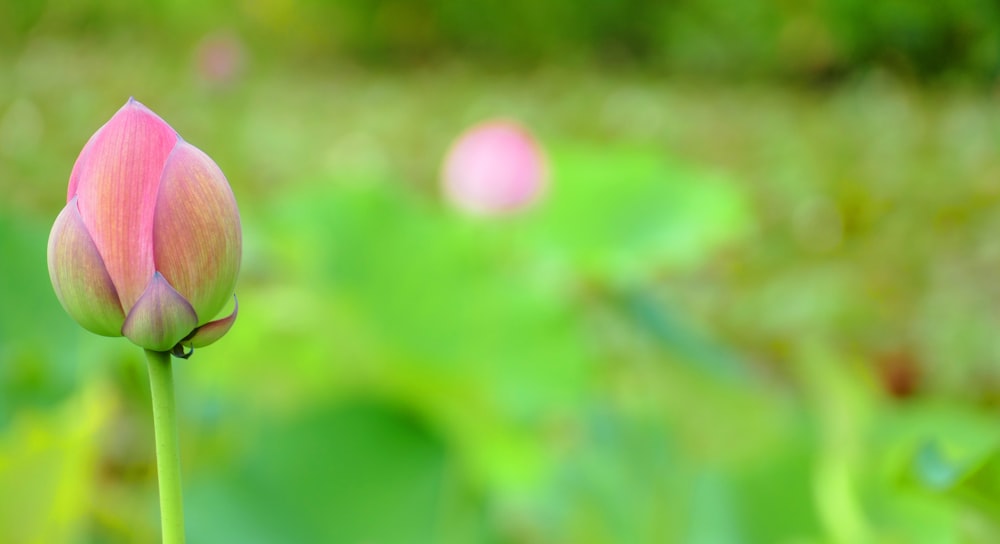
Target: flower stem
(168, 461)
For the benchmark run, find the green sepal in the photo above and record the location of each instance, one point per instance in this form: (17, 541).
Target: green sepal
(160, 318)
(79, 277)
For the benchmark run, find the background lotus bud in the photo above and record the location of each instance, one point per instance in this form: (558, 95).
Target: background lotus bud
(220, 59)
(493, 168)
(149, 243)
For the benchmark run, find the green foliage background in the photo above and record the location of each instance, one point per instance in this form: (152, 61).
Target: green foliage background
(757, 304)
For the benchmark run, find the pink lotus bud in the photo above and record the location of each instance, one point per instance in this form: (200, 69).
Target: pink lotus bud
(149, 243)
(494, 167)
(220, 59)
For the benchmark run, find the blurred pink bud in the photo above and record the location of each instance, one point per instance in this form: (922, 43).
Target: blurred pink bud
(494, 167)
(149, 243)
(220, 59)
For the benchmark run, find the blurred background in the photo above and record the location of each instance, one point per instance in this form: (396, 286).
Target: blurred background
(755, 300)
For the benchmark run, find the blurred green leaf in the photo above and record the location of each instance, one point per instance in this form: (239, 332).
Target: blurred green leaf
(46, 469)
(627, 213)
(37, 338)
(618, 483)
(449, 307)
(359, 471)
(26, 287)
(668, 330)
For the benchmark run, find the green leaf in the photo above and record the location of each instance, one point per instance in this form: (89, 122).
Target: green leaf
(38, 339)
(360, 471)
(46, 469)
(628, 213)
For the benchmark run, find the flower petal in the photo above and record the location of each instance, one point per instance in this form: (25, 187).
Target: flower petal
(115, 179)
(213, 330)
(196, 231)
(160, 318)
(78, 275)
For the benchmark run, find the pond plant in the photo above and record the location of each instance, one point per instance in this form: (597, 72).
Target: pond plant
(148, 247)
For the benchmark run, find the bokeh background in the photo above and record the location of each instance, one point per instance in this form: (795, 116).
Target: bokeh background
(758, 302)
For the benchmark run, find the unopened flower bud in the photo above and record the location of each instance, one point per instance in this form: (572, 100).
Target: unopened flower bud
(149, 243)
(493, 168)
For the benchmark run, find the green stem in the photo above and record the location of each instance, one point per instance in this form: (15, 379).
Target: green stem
(168, 460)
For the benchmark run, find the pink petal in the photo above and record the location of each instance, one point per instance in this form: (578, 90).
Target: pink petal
(213, 330)
(160, 318)
(196, 232)
(78, 275)
(115, 180)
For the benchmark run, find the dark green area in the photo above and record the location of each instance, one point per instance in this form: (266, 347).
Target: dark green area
(808, 42)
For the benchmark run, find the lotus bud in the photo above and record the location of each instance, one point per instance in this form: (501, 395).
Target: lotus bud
(149, 243)
(494, 167)
(220, 59)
